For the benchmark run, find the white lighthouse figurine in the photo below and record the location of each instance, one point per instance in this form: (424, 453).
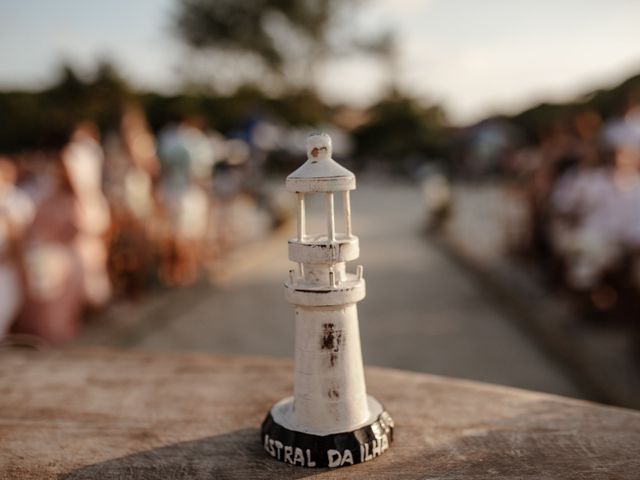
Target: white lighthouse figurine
(330, 421)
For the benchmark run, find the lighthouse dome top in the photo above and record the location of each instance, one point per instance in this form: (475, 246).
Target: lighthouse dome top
(320, 173)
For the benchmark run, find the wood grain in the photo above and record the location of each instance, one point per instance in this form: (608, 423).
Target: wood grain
(105, 414)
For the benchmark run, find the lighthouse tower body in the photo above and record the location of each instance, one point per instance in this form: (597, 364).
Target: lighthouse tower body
(330, 420)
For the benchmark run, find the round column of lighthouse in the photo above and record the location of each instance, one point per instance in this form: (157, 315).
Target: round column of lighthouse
(330, 420)
(329, 388)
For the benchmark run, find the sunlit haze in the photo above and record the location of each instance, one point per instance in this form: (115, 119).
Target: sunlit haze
(475, 58)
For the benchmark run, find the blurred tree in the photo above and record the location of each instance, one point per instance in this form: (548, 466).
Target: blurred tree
(100, 99)
(384, 48)
(108, 95)
(402, 128)
(276, 43)
(606, 102)
(21, 120)
(45, 119)
(69, 85)
(61, 106)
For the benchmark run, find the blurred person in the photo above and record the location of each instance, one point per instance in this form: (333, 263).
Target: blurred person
(83, 160)
(626, 178)
(132, 171)
(144, 166)
(570, 195)
(605, 205)
(624, 129)
(437, 195)
(557, 155)
(230, 185)
(131, 165)
(186, 158)
(490, 143)
(186, 153)
(16, 214)
(55, 294)
(588, 125)
(37, 171)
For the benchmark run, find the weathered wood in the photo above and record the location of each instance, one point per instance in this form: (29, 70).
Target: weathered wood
(102, 414)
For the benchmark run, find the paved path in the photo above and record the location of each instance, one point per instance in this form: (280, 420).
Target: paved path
(603, 355)
(422, 312)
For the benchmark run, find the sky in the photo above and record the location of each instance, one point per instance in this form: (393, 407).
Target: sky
(473, 57)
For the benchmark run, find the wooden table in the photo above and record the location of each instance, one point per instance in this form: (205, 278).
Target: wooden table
(104, 414)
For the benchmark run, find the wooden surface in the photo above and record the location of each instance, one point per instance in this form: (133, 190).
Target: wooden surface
(103, 414)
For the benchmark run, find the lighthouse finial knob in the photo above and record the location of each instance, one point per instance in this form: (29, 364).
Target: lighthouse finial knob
(319, 146)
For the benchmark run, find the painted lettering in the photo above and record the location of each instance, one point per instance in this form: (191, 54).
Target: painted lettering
(279, 447)
(268, 445)
(377, 445)
(333, 458)
(367, 455)
(310, 463)
(298, 456)
(288, 450)
(272, 450)
(385, 443)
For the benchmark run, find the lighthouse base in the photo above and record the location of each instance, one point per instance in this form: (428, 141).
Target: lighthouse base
(367, 441)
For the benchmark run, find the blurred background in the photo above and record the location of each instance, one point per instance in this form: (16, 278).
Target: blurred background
(144, 146)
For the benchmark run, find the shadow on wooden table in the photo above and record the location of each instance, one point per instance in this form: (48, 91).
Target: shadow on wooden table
(237, 454)
(551, 439)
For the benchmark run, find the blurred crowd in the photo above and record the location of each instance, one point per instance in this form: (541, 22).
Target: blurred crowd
(117, 214)
(582, 180)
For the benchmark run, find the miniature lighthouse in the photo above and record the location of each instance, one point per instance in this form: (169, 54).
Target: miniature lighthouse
(330, 421)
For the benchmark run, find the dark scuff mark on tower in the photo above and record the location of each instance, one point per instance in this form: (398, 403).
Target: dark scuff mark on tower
(332, 359)
(331, 340)
(328, 337)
